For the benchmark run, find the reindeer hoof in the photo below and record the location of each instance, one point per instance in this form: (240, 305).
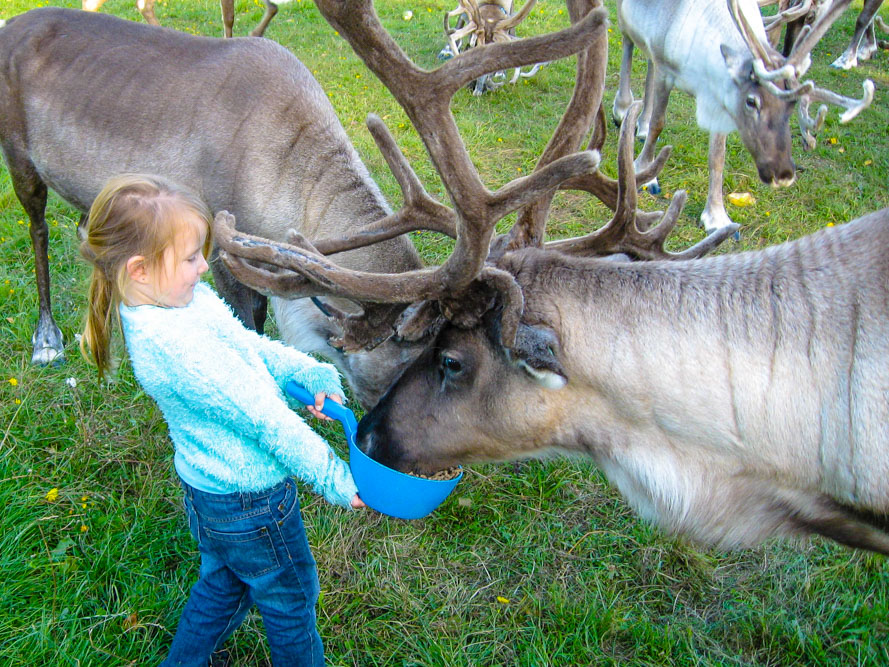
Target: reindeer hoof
(844, 62)
(47, 356)
(48, 346)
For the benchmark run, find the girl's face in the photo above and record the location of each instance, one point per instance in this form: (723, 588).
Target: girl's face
(172, 283)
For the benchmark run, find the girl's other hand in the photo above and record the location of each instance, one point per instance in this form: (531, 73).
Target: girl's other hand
(357, 502)
(319, 404)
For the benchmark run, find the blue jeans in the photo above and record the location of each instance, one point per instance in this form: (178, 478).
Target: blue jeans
(253, 550)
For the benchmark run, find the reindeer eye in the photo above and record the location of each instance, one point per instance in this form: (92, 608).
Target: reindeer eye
(450, 364)
(752, 102)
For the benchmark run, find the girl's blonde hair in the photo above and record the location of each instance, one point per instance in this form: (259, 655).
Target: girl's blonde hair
(134, 214)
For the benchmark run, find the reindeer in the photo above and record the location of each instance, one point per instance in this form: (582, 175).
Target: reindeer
(240, 121)
(720, 55)
(480, 23)
(729, 398)
(146, 8)
(792, 15)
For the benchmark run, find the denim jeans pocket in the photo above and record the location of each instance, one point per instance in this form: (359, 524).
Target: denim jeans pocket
(248, 553)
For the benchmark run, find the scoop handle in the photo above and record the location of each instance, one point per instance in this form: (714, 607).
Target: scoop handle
(331, 408)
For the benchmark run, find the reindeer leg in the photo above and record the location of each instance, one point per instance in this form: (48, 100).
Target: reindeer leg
(624, 97)
(863, 24)
(146, 8)
(48, 346)
(270, 10)
(868, 46)
(228, 17)
(655, 103)
(714, 215)
(644, 122)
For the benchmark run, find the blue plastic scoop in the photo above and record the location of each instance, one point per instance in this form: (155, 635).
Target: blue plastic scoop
(384, 489)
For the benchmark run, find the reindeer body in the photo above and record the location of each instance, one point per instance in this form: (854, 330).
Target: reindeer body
(729, 399)
(240, 121)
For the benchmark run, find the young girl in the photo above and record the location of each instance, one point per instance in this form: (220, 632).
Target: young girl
(219, 386)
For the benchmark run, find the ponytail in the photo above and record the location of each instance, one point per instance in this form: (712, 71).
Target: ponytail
(95, 343)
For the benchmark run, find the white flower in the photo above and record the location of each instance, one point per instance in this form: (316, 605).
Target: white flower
(408, 15)
(71, 382)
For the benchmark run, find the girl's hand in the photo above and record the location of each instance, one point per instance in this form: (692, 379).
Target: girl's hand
(357, 502)
(319, 404)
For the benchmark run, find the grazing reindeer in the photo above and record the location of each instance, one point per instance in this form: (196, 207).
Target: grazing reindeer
(729, 399)
(146, 8)
(485, 22)
(243, 123)
(723, 59)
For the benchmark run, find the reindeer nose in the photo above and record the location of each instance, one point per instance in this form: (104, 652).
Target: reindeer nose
(784, 180)
(778, 178)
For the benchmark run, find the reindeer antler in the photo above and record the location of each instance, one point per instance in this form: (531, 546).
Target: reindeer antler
(425, 96)
(464, 286)
(621, 234)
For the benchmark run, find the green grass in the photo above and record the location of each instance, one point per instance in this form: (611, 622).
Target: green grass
(538, 563)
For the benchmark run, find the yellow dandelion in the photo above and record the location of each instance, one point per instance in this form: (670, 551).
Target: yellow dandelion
(830, 224)
(13, 382)
(52, 495)
(868, 163)
(832, 141)
(502, 600)
(83, 499)
(18, 401)
(84, 528)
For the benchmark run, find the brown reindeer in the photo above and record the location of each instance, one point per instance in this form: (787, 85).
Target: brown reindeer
(485, 22)
(243, 123)
(730, 399)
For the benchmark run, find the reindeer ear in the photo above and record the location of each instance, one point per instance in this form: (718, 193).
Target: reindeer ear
(536, 352)
(734, 61)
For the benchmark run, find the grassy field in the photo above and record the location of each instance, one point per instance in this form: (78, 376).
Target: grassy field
(538, 563)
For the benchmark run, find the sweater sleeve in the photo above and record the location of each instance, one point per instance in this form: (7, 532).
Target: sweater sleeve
(228, 392)
(284, 362)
